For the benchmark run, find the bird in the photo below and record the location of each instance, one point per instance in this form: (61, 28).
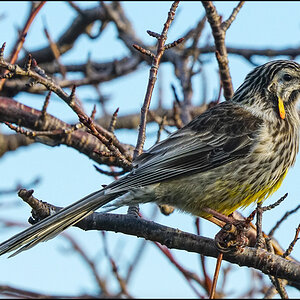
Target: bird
(236, 153)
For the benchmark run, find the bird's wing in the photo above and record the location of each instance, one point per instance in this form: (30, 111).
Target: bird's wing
(218, 136)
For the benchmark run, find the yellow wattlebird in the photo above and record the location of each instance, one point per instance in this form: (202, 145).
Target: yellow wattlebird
(235, 153)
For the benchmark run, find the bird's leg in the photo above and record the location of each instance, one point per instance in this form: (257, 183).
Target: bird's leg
(219, 216)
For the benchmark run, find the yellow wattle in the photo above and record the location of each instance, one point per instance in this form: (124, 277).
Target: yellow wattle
(281, 108)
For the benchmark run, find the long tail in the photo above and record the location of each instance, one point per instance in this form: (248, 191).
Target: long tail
(55, 224)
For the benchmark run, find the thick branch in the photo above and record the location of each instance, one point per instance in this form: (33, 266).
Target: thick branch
(173, 238)
(257, 258)
(11, 142)
(15, 112)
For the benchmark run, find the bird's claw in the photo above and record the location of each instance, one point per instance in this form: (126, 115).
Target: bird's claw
(232, 236)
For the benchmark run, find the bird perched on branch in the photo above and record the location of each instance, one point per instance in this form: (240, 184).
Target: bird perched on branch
(235, 153)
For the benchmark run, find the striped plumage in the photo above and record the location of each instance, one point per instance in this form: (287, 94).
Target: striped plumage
(234, 154)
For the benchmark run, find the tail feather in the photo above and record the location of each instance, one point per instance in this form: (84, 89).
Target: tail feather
(54, 224)
(46, 234)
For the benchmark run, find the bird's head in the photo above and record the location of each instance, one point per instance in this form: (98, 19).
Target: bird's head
(272, 88)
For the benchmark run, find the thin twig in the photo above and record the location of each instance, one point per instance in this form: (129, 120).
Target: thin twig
(121, 281)
(292, 244)
(187, 274)
(143, 51)
(113, 174)
(259, 236)
(207, 280)
(46, 103)
(91, 264)
(19, 44)
(219, 32)
(226, 24)
(111, 127)
(285, 216)
(277, 283)
(33, 134)
(271, 206)
(56, 52)
(2, 51)
(216, 275)
(152, 79)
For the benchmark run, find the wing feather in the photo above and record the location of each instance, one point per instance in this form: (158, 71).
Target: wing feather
(218, 136)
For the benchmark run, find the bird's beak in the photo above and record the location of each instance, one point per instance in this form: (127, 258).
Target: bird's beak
(281, 108)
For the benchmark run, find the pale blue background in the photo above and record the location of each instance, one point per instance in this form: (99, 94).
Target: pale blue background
(68, 175)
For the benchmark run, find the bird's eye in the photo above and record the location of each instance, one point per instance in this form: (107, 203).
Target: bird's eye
(287, 77)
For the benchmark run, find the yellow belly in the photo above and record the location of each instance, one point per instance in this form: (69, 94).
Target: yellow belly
(258, 196)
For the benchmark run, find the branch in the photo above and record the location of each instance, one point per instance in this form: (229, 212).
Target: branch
(226, 24)
(257, 258)
(219, 31)
(19, 44)
(71, 34)
(37, 75)
(15, 293)
(94, 73)
(11, 142)
(15, 112)
(173, 238)
(152, 78)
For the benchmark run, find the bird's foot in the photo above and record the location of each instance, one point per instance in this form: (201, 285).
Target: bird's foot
(234, 232)
(232, 236)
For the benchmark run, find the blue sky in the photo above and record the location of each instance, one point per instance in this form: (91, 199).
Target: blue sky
(51, 267)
